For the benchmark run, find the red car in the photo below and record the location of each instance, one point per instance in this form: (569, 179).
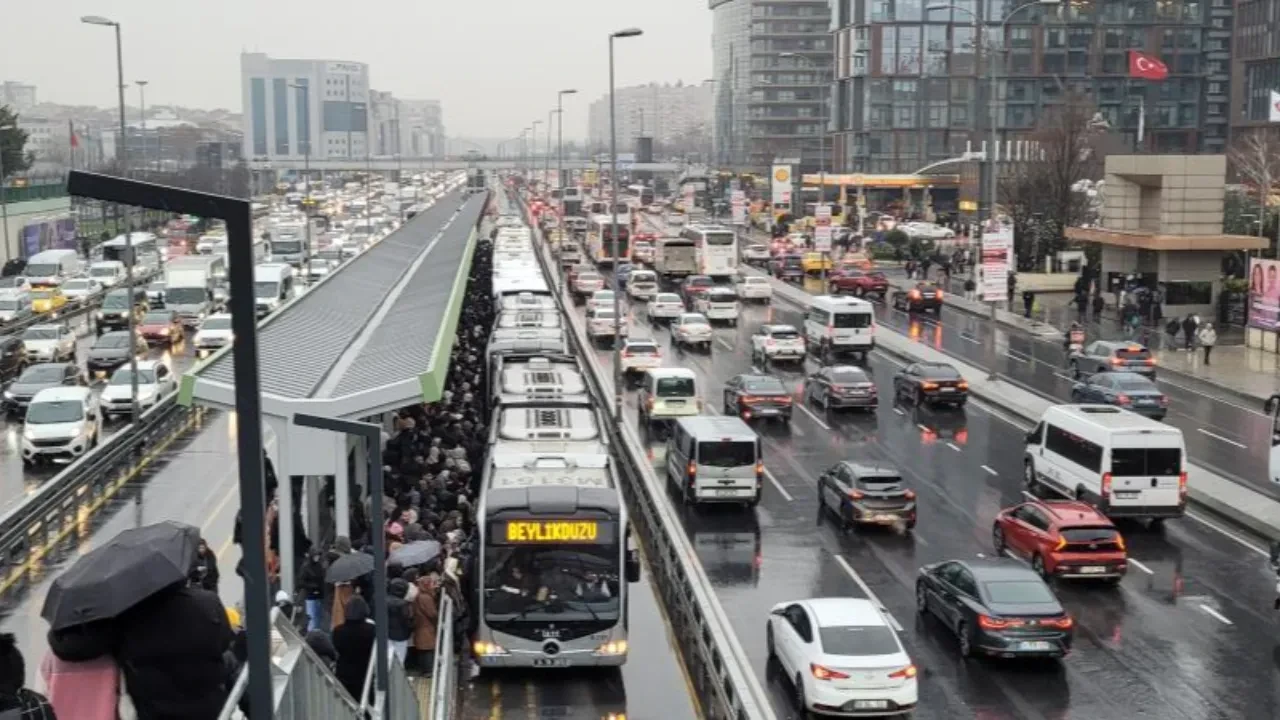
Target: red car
(1062, 538)
(161, 327)
(857, 282)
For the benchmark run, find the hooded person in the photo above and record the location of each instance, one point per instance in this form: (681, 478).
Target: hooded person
(322, 645)
(399, 617)
(426, 615)
(353, 640)
(17, 701)
(170, 648)
(80, 677)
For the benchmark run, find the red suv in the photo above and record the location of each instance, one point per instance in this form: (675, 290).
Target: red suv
(857, 282)
(1062, 538)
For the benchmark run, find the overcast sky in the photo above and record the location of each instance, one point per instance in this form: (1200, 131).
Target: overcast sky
(495, 64)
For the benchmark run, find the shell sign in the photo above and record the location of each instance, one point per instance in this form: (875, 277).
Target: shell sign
(781, 186)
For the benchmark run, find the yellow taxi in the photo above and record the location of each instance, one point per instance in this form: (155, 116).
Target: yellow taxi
(813, 262)
(47, 299)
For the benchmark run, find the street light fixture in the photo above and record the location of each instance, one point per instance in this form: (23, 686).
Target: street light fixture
(613, 227)
(122, 153)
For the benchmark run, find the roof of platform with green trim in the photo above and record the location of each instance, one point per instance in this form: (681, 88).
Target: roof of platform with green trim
(374, 335)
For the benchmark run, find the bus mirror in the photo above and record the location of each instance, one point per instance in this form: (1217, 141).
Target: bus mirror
(1270, 405)
(633, 566)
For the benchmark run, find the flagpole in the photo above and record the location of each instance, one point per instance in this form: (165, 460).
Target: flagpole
(1142, 119)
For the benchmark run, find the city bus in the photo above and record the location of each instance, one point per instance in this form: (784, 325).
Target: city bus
(146, 250)
(641, 193)
(600, 239)
(554, 563)
(717, 249)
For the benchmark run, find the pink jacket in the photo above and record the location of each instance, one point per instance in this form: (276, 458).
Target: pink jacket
(82, 690)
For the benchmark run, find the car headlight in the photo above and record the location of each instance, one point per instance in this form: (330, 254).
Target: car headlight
(164, 331)
(8, 395)
(27, 434)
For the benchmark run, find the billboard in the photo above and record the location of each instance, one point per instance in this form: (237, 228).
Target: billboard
(997, 258)
(1264, 294)
(822, 228)
(781, 184)
(49, 235)
(738, 200)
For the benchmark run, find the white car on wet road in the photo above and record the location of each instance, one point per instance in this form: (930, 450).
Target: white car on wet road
(753, 287)
(664, 307)
(642, 284)
(691, 330)
(601, 324)
(640, 355)
(718, 304)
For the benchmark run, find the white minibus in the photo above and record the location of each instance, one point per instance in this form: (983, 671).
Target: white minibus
(839, 324)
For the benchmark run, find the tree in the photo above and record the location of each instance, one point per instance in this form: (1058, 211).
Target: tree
(1043, 194)
(13, 141)
(1255, 158)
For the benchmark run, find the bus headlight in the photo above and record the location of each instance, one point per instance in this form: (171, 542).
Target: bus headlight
(487, 649)
(614, 647)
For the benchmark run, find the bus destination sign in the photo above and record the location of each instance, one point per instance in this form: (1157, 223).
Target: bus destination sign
(533, 532)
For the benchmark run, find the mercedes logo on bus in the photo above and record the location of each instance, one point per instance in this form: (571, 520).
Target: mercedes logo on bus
(551, 648)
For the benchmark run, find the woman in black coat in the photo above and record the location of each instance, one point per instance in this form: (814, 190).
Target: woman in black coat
(353, 640)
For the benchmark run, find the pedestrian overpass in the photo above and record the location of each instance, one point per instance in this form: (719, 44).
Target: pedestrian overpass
(386, 164)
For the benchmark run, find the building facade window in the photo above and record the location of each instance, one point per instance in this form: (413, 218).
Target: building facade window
(303, 115)
(258, 109)
(280, 104)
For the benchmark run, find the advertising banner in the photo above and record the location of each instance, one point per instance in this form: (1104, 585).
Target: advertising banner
(997, 259)
(1264, 294)
(822, 228)
(57, 234)
(738, 203)
(781, 184)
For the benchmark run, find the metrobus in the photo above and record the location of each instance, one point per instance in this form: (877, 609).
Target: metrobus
(1272, 408)
(600, 239)
(642, 193)
(145, 246)
(717, 249)
(555, 563)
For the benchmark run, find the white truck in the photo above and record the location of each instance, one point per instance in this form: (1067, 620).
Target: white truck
(189, 284)
(675, 258)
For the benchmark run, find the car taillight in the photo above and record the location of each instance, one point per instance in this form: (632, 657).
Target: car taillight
(1164, 401)
(937, 295)
(928, 386)
(1106, 485)
(962, 385)
(1063, 623)
(1122, 399)
(1182, 483)
(1062, 545)
(1151, 361)
(626, 353)
(910, 494)
(1117, 361)
(905, 673)
(826, 673)
(759, 468)
(1120, 542)
(987, 622)
(691, 469)
(648, 403)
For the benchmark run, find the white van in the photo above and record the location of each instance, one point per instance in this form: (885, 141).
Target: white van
(272, 286)
(108, 272)
(61, 423)
(839, 324)
(715, 459)
(51, 267)
(666, 394)
(1123, 463)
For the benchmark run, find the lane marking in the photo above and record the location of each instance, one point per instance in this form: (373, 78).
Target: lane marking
(1240, 539)
(1138, 564)
(807, 411)
(898, 410)
(867, 591)
(769, 474)
(989, 470)
(953, 447)
(724, 343)
(1216, 614)
(1216, 436)
(1014, 356)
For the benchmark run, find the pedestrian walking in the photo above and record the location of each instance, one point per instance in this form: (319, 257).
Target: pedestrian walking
(1207, 337)
(1189, 324)
(970, 288)
(1171, 329)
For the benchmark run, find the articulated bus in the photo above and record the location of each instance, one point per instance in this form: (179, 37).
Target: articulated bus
(717, 249)
(554, 563)
(600, 239)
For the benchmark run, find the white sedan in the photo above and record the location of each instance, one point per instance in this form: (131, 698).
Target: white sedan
(604, 299)
(664, 306)
(81, 289)
(691, 329)
(928, 230)
(753, 287)
(755, 252)
(842, 656)
(601, 324)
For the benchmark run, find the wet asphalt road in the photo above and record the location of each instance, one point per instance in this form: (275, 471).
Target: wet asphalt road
(16, 482)
(1190, 633)
(1222, 432)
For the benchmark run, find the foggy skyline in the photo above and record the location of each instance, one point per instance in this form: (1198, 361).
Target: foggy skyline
(501, 62)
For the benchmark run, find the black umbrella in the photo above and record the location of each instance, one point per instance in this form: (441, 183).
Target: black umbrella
(348, 567)
(128, 569)
(415, 553)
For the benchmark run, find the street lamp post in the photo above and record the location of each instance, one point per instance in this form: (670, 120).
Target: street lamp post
(822, 163)
(122, 153)
(560, 152)
(546, 156)
(305, 89)
(142, 114)
(613, 228)
(533, 149)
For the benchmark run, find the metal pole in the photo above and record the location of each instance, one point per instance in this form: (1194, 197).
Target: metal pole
(123, 152)
(613, 240)
(142, 112)
(306, 178)
(559, 161)
(546, 160)
(128, 241)
(249, 461)
(4, 206)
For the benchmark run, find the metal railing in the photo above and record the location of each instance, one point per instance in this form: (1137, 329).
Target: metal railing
(304, 686)
(404, 701)
(444, 672)
(718, 667)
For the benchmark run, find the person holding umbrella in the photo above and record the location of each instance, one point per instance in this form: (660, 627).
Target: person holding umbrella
(81, 677)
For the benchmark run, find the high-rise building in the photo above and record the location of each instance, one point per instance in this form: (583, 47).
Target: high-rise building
(771, 62)
(670, 114)
(911, 85)
(280, 121)
(1255, 67)
(19, 96)
(422, 128)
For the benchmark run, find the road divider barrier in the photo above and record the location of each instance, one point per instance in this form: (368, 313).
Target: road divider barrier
(68, 311)
(724, 685)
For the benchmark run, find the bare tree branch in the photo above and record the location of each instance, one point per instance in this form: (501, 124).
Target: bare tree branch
(1255, 158)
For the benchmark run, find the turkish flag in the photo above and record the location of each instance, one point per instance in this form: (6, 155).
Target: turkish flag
(1147, 67)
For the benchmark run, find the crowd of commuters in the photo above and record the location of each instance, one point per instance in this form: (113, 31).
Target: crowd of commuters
(138, 666)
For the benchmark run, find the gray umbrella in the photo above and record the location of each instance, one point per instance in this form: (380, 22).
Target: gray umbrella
(415, 553)
(348, 567)
(128, 569)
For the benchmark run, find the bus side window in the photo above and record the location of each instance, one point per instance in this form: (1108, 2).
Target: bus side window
(1034, 437)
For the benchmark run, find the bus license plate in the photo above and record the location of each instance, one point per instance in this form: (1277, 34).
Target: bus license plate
(551, 662)
(1034, 645)
(1126, 494)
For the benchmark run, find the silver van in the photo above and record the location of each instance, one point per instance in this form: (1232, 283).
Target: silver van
(715, 459)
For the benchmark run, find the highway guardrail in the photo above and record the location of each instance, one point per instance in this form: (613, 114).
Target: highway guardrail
(721, 674)
(68, 311)
(64, 505)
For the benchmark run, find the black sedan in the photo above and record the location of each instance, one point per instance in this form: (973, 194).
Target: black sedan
(865, 494)
(841, 386)
(1128, 390)
(923, 297)
(113, 350)
(39, 377)
(931, 383)
(757, 396)
(693, 286)
(997, 607)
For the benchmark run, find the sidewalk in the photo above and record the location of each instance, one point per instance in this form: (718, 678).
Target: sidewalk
(1244, 370)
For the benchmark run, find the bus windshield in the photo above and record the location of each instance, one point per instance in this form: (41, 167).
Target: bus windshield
(552, 583)
(288, 247)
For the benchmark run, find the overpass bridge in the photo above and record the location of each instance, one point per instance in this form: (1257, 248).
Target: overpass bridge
(419, 164)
